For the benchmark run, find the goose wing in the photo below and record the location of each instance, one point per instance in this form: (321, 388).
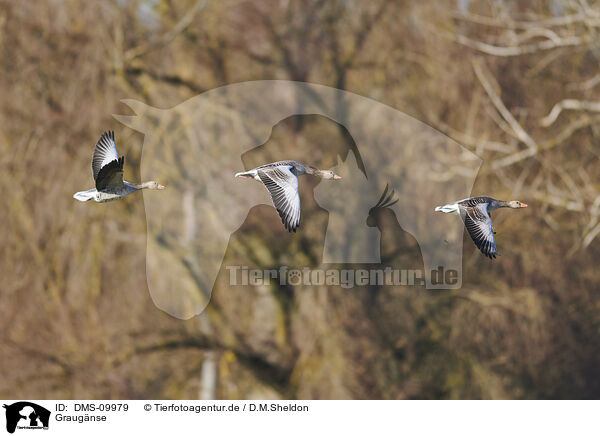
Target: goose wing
(282, 184)
(479, 225)
(107, 166)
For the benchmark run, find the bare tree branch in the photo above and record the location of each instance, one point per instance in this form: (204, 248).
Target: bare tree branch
(587, 84)
(570, 104)
(583, 18)
(518, 50)
(171, 79)
(521, 134)
(567, 132)
(166, 38)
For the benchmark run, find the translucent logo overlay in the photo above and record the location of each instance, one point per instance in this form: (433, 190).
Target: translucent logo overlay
(206, 215)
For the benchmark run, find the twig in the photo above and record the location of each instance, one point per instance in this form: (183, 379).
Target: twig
(571, 104)
(171, 79)
(518, 50)
(580, 123)
(166, 38)
(521, 134)
(564, 20)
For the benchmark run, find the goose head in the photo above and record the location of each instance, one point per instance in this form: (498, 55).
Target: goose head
(327, 174)
(516, 204)
(324, 174)
(152, 185)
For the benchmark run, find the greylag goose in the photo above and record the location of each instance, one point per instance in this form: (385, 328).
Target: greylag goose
(475, 213)
(107, 168)
(281, 180)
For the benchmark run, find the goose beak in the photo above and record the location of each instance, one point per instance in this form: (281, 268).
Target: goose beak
(336, 177)
(160, 186)
(523, 204)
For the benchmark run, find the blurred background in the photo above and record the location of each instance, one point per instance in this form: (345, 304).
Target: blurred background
(516, 83)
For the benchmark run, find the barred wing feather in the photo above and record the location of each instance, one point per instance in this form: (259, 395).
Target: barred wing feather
(282, 184)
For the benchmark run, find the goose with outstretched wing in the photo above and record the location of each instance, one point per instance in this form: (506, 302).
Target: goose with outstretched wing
(281, 180)
(107, 169)
(475, 212)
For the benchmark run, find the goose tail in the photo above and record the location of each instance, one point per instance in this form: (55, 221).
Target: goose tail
(84, 195)
(448, 208)
(247, 174)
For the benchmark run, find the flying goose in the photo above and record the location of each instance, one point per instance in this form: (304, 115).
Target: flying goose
(107, 168)
(281, 180)
(475, 213)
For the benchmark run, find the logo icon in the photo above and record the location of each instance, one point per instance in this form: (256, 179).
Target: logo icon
(26, 415)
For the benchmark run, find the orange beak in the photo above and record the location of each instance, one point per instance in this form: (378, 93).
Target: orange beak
(160, 186)
(523, 204)
(336, 177)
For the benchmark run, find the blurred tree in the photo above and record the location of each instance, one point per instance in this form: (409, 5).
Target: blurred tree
(515, 82)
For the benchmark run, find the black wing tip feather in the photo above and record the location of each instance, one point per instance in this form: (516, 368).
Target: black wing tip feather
(487, 249)
(288, 226)
(109, 134)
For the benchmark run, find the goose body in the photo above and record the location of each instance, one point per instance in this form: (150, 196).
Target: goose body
(475, 213)
(107, 169)
(281, 180)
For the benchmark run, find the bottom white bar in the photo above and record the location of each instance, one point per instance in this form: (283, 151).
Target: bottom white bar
(299, 417)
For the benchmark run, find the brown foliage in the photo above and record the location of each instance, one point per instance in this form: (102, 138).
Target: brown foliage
(77, 319)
